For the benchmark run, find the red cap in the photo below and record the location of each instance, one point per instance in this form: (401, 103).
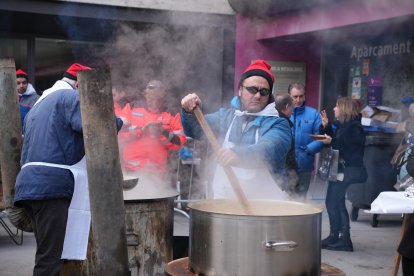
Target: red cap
(21, 74)
(261, 68)
(73, 69)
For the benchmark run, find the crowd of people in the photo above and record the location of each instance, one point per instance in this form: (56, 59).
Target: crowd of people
(265, 138)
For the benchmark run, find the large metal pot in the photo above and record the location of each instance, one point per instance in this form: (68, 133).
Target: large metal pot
(149, 219)
(279, 238)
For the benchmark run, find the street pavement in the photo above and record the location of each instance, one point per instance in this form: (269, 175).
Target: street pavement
(374, 247)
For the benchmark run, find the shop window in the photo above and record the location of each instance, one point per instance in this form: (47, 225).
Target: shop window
(287, 72)
(54, 56)
(14, 48)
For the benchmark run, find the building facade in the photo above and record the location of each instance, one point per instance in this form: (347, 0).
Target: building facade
(345, 46)
(188, 44)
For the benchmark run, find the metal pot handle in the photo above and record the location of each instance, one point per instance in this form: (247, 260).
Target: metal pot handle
(280, 245)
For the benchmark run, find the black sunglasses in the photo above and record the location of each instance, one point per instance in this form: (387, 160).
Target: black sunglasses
(254, 90)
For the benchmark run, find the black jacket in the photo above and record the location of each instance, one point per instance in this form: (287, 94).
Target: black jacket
(349, 139)
(291, 163)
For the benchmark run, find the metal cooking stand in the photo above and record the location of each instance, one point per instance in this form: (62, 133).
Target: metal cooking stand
(193, 161)
(12, 235)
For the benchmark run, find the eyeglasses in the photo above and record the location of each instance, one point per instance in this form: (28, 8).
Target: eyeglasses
(253, 90)
(151, 86)
(155, 88)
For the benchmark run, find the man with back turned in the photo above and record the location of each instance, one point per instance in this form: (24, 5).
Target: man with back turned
(52, 164)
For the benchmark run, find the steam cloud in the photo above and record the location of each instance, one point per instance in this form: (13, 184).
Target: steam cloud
(173, 55)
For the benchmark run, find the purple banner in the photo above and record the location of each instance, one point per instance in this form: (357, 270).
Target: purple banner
(375, 81)
(374, 90)
(375, 96)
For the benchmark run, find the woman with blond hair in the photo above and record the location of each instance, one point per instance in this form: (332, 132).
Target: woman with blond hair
(346, 135)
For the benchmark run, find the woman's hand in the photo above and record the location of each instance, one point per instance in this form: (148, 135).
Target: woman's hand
(327, 140)
(324, 118)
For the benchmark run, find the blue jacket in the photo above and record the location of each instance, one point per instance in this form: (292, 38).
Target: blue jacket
(273, 142)
(52, 134)
(26, 101)
(306, 120)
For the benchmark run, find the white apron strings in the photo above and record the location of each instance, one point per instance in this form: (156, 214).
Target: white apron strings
(255, 183)
(79, 216)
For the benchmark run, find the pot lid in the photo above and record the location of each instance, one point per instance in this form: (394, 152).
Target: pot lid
(148, 187)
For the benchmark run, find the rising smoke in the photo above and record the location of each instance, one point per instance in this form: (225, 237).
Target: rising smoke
(174, 55)
(186, 57)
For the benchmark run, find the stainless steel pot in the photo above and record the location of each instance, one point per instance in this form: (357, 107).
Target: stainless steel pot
(149, 220)
(279, 238)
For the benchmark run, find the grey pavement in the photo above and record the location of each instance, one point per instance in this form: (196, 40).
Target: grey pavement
(373, 255)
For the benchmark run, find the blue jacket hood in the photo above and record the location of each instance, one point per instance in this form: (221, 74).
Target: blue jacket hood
(29, 90)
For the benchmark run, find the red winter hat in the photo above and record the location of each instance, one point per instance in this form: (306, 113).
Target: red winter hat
(21, 74)
(73, 69)
(260, 68)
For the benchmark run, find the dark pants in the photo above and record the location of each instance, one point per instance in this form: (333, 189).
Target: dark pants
(407, 266)
(406, 247)
(49, 219)
(335, 206)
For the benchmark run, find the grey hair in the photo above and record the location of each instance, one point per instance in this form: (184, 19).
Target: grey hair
(282, 100)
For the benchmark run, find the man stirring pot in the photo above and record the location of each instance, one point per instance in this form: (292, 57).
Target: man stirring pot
(255, 140)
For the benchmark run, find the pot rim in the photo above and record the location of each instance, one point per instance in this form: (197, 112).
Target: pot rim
(213, 206)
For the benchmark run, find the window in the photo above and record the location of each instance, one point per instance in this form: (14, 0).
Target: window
(15, 48)
(54, 56)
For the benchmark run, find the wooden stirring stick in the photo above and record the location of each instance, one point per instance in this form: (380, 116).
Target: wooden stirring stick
(229, 172)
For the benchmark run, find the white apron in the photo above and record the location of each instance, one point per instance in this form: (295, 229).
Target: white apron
(79, 215)
(255, 183)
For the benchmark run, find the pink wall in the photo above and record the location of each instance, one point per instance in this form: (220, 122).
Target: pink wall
(291, 37)
(341, 14)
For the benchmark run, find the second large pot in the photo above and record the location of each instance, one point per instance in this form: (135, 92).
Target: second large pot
(280, 238)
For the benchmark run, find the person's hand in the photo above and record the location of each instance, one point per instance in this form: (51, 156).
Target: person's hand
(327, 140)
(227, 157)
(126, 122)
(133, 131)
(324, 118)
(189, 102)
(153, 129)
